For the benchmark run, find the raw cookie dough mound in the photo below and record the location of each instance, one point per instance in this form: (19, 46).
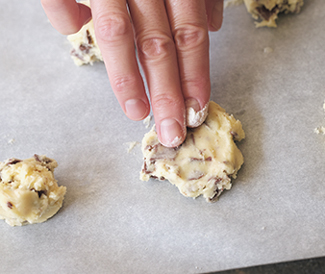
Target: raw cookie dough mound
(268, 10)
(28, 191)
(205, 163)
(85, 49)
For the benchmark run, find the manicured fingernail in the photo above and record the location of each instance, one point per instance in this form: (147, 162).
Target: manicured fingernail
(217, 16)
(171, 133)
(195, 116)
(135, 109)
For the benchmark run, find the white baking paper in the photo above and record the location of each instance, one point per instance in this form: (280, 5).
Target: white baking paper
(111, 222)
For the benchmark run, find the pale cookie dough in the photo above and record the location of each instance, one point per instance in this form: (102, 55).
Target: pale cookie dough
(85, 49)
(268, 10)
(28, 191)
(205, 163)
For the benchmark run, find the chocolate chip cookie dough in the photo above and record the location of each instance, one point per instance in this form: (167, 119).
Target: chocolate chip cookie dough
(205, 163)
(28, 191)
(268, 10)
(84, 44)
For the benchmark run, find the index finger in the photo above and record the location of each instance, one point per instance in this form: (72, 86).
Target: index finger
(115, 39)
(66, 16)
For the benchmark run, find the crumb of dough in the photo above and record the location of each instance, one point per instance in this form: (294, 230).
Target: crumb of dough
(267, 50)
(267, 10)
(321, 129)
(205, 163)
(147, 121)
(29, 193)
(132, 145)
(231, 3)
(84, 44)
(11, 141)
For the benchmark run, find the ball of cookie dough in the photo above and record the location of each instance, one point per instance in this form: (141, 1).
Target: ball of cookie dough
(28, 191)
(85, 49)
(205, 163)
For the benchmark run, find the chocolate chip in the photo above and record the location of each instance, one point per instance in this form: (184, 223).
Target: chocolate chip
(266, 13)
(161, 178)
(13, 161)
(85, 48)
(43, 159)
(234, 134)
(215, 196)
(77, 55)
(145, 168)
(37, 158)
(90, 40)
(209, 159)
(39, 192)
(196, 178)
(10, 205)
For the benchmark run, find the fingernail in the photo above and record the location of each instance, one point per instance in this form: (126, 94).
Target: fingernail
(171, 133)
(195, 116)
(217, 16)
(192, 103)
(135, 109)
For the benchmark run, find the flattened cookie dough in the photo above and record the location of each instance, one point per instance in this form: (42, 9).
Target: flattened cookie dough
(205, 163)
(84, 44)
(28, 191)
(268, 10)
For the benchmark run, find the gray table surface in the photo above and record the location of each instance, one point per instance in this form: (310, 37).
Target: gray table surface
(111, 222)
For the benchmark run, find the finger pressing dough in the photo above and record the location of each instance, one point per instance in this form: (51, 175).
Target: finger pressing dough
(84, 44)
(205, 163)
(268, 10)
(28, 191)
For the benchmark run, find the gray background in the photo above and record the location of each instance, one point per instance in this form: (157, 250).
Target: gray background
(111, 222)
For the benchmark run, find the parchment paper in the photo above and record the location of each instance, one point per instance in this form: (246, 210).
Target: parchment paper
(111, 222)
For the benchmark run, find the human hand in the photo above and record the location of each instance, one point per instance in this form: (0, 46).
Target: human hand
(172, 41)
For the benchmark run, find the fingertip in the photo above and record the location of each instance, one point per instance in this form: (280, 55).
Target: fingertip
(195, 114)
(216, 16)
(171, 133)
(136, 109)
(84, 14)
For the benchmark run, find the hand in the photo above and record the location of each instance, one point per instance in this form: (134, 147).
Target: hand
(172, 40)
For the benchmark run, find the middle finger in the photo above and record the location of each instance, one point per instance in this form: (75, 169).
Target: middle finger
(157, 54)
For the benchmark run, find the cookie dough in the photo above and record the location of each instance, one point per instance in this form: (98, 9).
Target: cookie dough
(205, 163)
(84, 45)
(268, 10)
(28, 191)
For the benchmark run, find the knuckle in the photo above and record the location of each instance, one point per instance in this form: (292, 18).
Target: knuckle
(110, 27)
(199, 82)
(190, 36)
(123, 83)
(163, 102)
(155, 46)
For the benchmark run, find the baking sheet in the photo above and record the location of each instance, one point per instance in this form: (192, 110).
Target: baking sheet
(111, 222)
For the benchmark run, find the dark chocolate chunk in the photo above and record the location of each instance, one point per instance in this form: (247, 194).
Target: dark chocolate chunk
(265, 13)
(90, 39)
(13, 161)
(10, 205)
(39, 192)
